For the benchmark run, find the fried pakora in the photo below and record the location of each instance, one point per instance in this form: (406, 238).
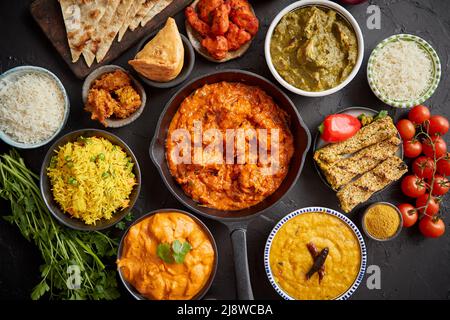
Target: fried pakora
(129, 102)
(112, 95)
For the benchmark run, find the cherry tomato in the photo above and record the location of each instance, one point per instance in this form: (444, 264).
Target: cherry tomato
(433, 204)
(439, 145)
(423, 167)
(406, 129)
(412, 148)
(443, 165)
(339, 127)
(432, 227)
(419, 114)
(437, 125)
(412, 186)
(441, 185)
(409, 214)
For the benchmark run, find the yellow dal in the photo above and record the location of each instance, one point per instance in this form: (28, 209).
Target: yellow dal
(290, 259)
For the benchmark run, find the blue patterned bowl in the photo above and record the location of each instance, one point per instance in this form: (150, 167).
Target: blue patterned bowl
(298, 212)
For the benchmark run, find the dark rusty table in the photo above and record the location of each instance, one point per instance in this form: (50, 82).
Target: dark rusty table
(411, 267)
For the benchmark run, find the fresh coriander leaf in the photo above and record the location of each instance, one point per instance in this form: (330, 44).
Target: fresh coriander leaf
(129, 217)
(382, 114)
(176, 246)
(120, 225)
(180, 250)
(163, 251)
(39, 290)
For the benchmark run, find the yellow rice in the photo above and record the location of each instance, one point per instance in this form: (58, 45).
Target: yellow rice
(91, 178)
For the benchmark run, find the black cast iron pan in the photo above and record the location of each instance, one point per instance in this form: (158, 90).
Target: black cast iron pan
(236, 221)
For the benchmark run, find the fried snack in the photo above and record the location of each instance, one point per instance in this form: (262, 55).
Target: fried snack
(343, 171)
(364, 187)
(101, 105)
(112, 81)
(129, 102)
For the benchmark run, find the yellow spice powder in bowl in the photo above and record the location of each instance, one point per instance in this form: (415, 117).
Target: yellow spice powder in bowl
(382, 221)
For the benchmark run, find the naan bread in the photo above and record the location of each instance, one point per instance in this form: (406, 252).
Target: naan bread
(157, 8)
(130, 16)
(92, 12)
(101, 30)
(142, 12)
(109, 32)
(81, 18)
(72, 21)
(162, 58)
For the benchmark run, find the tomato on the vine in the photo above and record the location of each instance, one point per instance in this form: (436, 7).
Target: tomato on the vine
(419, 114)
(437, 125)
(439, 145)
(443, 165)
(412, 148)
(423, 167)
(441, 185)
(412, 186)
(406, 129)
(432, 205)
(409, 214)
(432, 227)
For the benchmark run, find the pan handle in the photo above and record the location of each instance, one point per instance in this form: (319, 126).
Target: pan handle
(243, 285)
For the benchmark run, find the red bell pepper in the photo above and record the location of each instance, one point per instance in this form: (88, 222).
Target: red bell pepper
(339, 127)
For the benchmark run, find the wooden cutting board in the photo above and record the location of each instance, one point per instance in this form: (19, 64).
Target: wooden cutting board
(48, 16)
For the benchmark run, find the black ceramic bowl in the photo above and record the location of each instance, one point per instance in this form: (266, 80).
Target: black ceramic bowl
(300, 132)
(46, 188)
(189, 61)
(205, 289)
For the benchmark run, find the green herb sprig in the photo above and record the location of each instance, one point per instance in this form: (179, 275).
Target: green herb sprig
(173, 253)
(61, 248)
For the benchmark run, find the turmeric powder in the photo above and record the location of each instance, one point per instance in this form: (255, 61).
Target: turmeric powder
(382, 221)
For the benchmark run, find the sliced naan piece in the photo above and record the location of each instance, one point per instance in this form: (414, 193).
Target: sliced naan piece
(72, 21)
(157, 8)
(142, 12)
(109, 32)
(130, 16)
(101, 28)
(92, 12)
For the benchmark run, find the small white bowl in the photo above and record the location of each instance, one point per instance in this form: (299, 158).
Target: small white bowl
(18, 71)
(320, 3)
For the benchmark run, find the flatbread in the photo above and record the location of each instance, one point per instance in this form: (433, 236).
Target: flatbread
(109, 32)
(100, 31)
(92, 11)
(142, 12)
(130, 16)
(72, 21)
(157, 8)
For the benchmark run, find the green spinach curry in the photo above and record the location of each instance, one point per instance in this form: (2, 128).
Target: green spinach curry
(314, 49)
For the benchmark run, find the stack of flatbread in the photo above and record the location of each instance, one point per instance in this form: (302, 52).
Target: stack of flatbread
(92, 25)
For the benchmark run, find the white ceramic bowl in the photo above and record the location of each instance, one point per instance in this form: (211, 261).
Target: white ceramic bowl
(362, 268)
(12, 74)
(320, 3)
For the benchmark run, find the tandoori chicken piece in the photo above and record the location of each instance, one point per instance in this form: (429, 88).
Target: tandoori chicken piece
(196, 23)
(236, 37)
(220, 20)
(245, 19)
(206, 8)
(217, 47)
